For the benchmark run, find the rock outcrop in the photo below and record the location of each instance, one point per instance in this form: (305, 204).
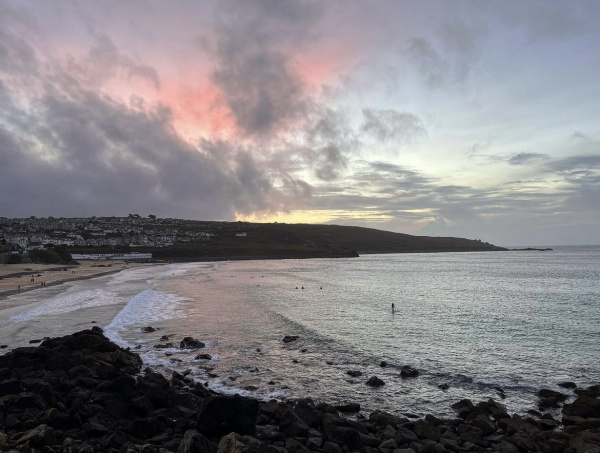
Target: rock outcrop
(83, 394)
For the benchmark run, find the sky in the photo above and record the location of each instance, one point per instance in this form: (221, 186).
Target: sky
(438, 118)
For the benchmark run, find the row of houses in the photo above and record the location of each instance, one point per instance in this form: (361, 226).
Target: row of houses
(135, 231)
(134, 256)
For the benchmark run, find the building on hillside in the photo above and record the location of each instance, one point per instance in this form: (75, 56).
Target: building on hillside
(133, 256)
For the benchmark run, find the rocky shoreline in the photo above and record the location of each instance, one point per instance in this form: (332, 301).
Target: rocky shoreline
(82, 393)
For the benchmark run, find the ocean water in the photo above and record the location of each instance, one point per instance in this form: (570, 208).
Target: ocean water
(517, 321)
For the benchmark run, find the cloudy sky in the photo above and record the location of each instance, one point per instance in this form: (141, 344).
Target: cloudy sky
(462, 118)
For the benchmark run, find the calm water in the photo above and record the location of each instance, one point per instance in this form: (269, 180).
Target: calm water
(518, 320)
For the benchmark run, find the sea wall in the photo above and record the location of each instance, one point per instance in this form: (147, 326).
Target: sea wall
(82, 393)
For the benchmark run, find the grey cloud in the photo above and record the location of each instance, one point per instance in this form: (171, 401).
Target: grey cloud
(298, 189)
(255, 76)
(391, 195)
(99, 156)
(445, 59)
(459, 37)
(331, 126)
(390, 125)
(16, 55)
(427, 61)
(329, 163)
(582, 171)
(526, 158)
(584, 162)
(578, 135)
(104, 61)
(551, 19)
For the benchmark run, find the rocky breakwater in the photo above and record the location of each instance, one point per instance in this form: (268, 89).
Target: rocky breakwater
(83, 394)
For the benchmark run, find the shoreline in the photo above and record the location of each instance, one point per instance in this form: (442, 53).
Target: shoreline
(81, 392)
(9, 281)
(55, 275)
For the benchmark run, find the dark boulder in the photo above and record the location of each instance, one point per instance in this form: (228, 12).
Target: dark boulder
(312, 415)
(331, 447)
(220, 414)
(384, 418)
(592, 403)
(144, 428)
(164, 346)
(405, 436)
(374, 381)
(354, 373)
(154, 386)
(292, 425)
(113, 403)
(578, 410)
(10, 387)
(191, 343)
(592, 391)
(142, 405)
(408, 371)
(115, 440)
(272, 409)
(426, 430)
(236, 443)
(148, 329)
(290, 338)
(343, 436)
(567, 385)
(348, 407)
(463, 407)
(38, 437)
(483, 423)
(585, 442)
(550, 398)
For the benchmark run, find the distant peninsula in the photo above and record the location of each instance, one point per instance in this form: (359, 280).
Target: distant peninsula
(193, 240)
(532, 249)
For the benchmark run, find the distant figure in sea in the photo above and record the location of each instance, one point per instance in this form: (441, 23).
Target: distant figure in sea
(393, 308)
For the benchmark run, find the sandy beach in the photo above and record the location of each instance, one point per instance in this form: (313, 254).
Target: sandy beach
(57, 279)
(15, 278)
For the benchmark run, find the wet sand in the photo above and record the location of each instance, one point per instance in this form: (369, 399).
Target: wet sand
(16, 334)
(13, 276)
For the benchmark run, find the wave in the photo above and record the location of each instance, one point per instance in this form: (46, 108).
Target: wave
(147, 307)
(69, 302)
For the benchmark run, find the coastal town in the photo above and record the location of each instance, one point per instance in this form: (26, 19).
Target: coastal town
(26, 234)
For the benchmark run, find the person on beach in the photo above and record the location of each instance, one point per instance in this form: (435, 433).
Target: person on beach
(393, 308)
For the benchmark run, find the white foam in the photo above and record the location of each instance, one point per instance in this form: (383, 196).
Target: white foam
(497, 383)
(69, 302)
(136, 273)
(147, 307)
(179, 269)
(224, 389)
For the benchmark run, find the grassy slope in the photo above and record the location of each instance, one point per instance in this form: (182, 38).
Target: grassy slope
(277, 240)
(304, 241)
(366, 240)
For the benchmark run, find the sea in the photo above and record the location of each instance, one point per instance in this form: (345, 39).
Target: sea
(497, 325)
